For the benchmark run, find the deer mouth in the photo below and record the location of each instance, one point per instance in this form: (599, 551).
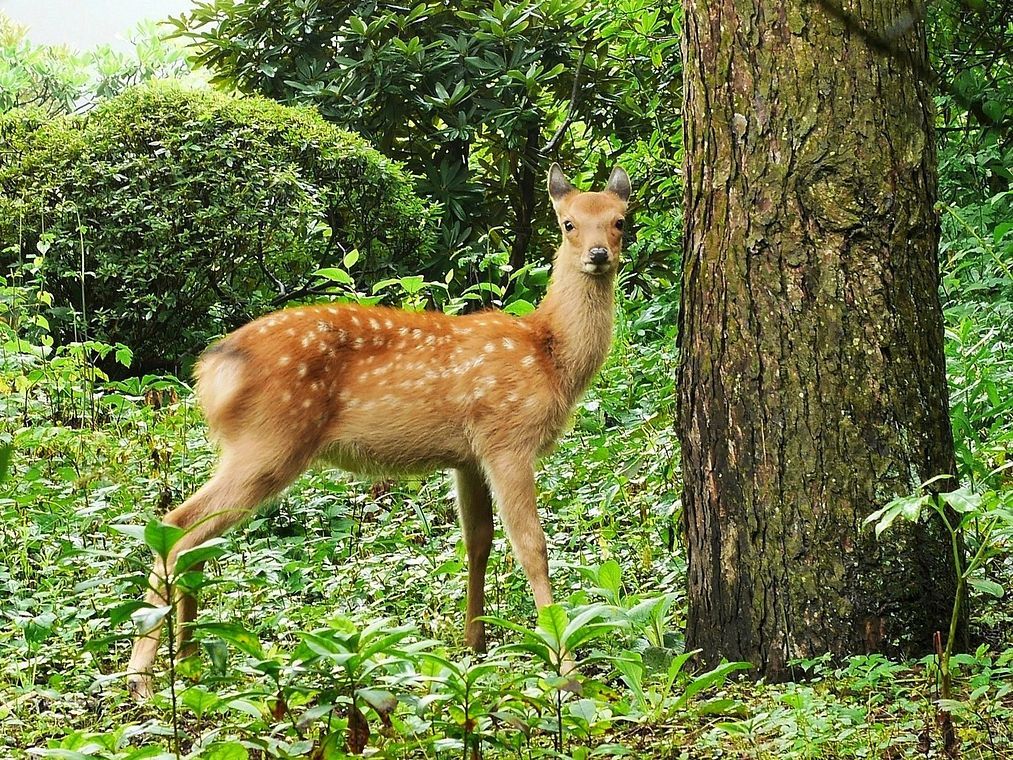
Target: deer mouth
(589, 267)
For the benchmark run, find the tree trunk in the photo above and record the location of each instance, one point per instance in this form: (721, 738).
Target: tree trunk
(812, 384)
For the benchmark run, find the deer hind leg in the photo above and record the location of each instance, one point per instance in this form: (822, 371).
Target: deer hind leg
(242, 482)
(474, 504)
(186, 613)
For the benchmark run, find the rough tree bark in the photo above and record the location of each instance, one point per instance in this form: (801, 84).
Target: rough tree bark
(812, 384)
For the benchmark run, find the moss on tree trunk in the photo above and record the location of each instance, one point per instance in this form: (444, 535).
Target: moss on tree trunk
(812, 384)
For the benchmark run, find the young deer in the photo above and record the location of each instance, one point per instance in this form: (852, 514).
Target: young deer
(378, 390)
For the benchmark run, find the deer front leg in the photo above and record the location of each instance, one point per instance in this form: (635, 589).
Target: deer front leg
(513, 483)
(474, 504)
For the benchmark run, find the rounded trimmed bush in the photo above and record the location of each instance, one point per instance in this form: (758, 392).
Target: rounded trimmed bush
(196, 211)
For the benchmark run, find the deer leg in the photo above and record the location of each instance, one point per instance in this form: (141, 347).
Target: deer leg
(240, 485)
(474, 504)
(186, 613)
(513, 483)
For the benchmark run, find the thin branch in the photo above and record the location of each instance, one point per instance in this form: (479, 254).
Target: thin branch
(554, 141)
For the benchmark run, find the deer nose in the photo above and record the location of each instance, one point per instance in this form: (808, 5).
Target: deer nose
(599, 255)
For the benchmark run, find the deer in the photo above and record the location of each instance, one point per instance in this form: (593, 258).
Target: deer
(381, 391)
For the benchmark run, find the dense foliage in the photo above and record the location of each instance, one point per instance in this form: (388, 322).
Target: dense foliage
(178, 214)
(474, 98)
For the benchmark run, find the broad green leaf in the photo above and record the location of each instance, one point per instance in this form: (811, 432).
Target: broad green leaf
(610, 577)
(210, 549)
(589, 632)
(677, 664)
(379, 699)
(125, 611)
(586, 709)
(199, 700)
(631, 669)
(161, 537)
(582, 618)
(552, 621)
(227, 751)
(986, 586)
(134, 531)
(962, 500)
(711, 678)
(335, 275)
(235, 634)
(413, 284)
(519, 307)
(149, 618)
(6, 453)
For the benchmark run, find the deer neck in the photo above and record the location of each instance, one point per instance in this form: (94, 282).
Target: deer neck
(577, 313)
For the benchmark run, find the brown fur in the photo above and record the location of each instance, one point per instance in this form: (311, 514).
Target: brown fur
(380, 390)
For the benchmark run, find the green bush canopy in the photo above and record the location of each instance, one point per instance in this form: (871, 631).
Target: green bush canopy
(195, 211)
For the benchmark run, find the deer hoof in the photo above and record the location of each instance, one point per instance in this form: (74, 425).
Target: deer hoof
(140, 687)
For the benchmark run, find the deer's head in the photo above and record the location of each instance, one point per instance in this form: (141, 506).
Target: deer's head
(591, 223)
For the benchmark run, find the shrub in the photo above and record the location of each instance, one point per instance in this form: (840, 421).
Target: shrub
(195, 211)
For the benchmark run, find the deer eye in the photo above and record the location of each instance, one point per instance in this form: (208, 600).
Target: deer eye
(568, 225)
(619, 224)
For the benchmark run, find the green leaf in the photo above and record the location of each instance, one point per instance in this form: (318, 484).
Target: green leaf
(962, 500)
(161, 537)
(711, 678)
(134, 531)
(149, 618)
(379, 699)
(519, 307)
(236, 635)
(582, 618)
(986, 586)
(6, 453)
(585, 709)
(125, 611)
(334, 274)
(552, 621)
(350, 258)
(610, 577)
(631, 669)
(227, 751)
(199, 700)
(386, 642)
(210, 549)
(412, 285)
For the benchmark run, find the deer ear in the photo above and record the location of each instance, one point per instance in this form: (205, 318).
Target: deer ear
(559, 185)
(619, 183)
